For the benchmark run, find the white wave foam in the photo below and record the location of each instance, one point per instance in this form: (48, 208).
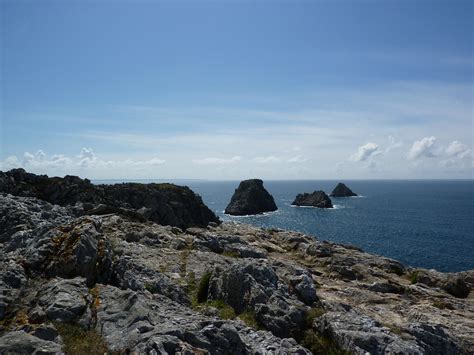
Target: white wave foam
(334, 207)
(252, 215)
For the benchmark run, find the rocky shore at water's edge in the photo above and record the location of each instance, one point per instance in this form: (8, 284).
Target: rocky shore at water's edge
(72, 280)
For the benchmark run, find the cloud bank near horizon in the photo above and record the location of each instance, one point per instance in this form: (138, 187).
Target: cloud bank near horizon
(423, 154)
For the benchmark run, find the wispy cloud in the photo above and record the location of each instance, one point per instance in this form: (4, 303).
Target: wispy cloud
(366, 151)
(217, 161)
(86, 162)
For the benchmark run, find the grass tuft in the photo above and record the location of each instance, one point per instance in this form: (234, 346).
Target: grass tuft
(80, 341)
(250, 319)
(413, 277)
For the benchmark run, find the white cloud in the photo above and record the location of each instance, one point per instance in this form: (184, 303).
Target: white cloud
(297, 159)
(86, 162)
(87, 157)
(393, 144)
(457, 149)
(423, 148)
(266, 160)
(11, 162)
(217, 161)
(156, 161)
(366, 151)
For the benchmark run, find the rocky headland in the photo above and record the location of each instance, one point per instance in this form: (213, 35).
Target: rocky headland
(166, 204)
(250, 198)
(341, 190)
(316, 199)
(108, 282)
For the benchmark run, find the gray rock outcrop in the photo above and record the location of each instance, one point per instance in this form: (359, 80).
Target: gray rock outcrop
(131, 286)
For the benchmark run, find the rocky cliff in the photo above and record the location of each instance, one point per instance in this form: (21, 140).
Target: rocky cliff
(250, 198)
(316, 199)
(167, 204)
(98, 283)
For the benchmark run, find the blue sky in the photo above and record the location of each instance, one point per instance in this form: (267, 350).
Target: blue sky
(238, 89)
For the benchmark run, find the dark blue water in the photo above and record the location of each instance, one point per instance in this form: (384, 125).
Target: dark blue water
(426, 224)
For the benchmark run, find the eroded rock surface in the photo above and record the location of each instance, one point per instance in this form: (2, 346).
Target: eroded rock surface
(229, 288)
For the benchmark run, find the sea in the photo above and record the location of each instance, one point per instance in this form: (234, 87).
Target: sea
(421, 223)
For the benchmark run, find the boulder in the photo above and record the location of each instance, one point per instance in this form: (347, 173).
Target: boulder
(317, 199)
(342, 190)
(250, 198)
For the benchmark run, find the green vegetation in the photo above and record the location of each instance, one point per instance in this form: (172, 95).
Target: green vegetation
(271, 230)
(312, 314)
(394, 329)
(321, 345)
(250, 319)
(198, 293)
(413, 277)
(231, 254)
(183, 257)
(442, 305)
(203, 288)
(150, 287)
(80, 341)
(225, 311)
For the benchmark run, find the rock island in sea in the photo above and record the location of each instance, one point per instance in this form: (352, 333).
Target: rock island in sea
(149, 269)
(250, 198)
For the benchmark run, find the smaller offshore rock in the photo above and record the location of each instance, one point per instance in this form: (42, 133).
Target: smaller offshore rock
(317, 199)
(342, 190)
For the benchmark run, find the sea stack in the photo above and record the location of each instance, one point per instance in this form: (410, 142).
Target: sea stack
(342, 190)
(250, 198)
(317, 199)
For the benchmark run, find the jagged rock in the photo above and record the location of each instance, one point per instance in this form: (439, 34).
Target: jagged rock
(166, 204)
(253, 286)
(75, 249)
(434, 339)
(20, 342)
(361, 335)
(342, 190)
(250, 198)
(148, 275)
(451, 283)
(243, 285)
(46, 332)
(128, 320)
(304, 287)
(316, 199)
(385, 287)
(64, 300)
(282, 317)
(19, 216)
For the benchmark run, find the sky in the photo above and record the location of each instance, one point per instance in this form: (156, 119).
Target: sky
(238, 89)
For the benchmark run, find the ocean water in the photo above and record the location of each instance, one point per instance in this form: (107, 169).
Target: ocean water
(427, 223)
